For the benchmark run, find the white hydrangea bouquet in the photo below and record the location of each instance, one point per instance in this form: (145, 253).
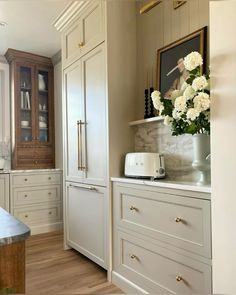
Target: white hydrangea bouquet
(187, 110)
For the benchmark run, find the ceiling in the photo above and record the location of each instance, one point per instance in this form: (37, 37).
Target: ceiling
(30, 25)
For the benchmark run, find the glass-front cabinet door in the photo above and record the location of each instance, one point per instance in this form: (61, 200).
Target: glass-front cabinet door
(26, 123)
(43, 106)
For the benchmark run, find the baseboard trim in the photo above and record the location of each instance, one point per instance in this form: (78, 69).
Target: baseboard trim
(126, 285)
(45, 228)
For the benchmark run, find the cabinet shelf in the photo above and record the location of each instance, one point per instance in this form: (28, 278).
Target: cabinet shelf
(22, 127)
(26, 110)
(145, 121)
(43, 111)
(25, 89)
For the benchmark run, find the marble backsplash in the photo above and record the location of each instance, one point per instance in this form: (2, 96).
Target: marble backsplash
(177, 150)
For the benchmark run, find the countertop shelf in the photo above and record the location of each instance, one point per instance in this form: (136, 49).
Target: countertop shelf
(145, 121)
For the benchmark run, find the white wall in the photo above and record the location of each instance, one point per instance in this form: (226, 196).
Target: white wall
(223, 143)
(58, 115)
(159, 27)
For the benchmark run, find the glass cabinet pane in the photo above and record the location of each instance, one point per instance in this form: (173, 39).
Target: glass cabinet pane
(25, 104)
(43, 106)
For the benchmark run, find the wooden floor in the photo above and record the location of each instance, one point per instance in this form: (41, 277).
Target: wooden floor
(51, 270)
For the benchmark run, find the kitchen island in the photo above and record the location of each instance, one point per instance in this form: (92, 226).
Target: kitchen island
(13, 234)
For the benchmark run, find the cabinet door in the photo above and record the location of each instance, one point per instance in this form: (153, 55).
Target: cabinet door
(24, 105)
(74, 103)
(86, 221)
(92, 26)
(71, 42)
(4, 191)
(94, 85)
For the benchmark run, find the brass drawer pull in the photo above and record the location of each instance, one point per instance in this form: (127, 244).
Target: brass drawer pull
(26, 196)
(49, 193)
(179, 279)
(26, 216)
(50, 213)
(132, 208)
(49, 178)
(178, 219)
(25, 179)
(134, 257)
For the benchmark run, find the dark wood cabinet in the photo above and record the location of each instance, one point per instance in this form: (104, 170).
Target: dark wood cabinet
(32, 110)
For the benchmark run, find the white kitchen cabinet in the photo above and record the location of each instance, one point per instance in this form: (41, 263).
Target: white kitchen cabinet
(36, 199)
(161, 239)
(84, 33)
(85, 220)
(74, 102)
(99, 70)
(4, 191)
(85, 91)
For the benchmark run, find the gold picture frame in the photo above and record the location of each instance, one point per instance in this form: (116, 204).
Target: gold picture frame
(168, 56)
(177, 4)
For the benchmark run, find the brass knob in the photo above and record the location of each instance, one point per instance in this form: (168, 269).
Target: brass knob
(49, 193)
(49, 178)
(26, 196)
(178, 219)
(25, 179)
(26, 216)
(50, 213)
(132, 208)
(179, 278)
(36, 162)
(134, 257)
(81, 44)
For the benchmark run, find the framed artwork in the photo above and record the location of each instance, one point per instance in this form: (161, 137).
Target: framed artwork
(171, 73)
(177, 4)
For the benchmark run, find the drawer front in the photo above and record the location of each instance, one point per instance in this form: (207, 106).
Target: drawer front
(39, 214)
(181, 221)
(156, 269)
(34, 195)
(35, 179)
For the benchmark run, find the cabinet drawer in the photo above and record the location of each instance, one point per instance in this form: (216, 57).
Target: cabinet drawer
(158, 270)
(35, 179)
(34, 195)
(181, 221)
(39, 214)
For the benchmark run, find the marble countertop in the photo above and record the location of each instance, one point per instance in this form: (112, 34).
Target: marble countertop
(11, 230)
(166, 183)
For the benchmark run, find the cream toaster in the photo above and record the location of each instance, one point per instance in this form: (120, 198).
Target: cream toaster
(144, 165)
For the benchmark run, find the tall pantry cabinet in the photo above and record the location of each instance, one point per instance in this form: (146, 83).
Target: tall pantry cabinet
(98, 60)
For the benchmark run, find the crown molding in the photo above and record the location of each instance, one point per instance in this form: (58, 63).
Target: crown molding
(69, 14)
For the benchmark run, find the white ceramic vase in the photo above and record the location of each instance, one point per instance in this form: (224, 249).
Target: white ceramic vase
(2, 162)
(201, 150)
(42, 85)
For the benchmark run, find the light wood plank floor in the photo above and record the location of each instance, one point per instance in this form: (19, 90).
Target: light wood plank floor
(51, 270)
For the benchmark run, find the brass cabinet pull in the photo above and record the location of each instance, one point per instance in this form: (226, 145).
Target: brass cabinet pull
(26, 196)
(26, 216)
(49, 178)
(81, 44)
(179, 278)
(81, 167)
(134, 257)
(25, 179)
(90, 188)
(50, 213)
(132, 208)
(49, 193)
(178, 219)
